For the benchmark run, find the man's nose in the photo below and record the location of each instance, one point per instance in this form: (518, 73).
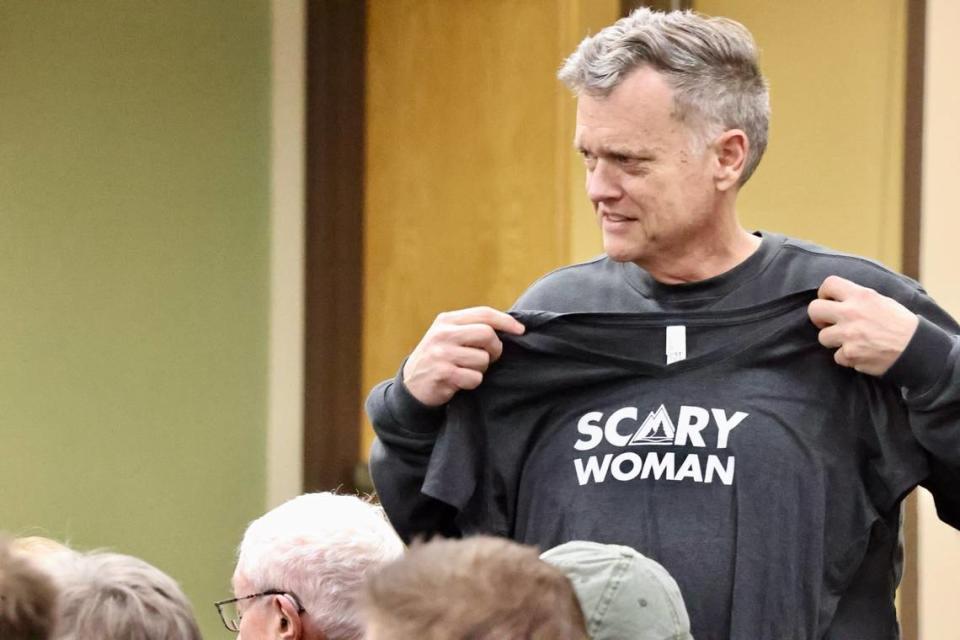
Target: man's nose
(603, 183)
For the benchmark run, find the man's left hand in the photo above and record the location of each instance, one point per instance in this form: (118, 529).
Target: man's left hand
(869, 331)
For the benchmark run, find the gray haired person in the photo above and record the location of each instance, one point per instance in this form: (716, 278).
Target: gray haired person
(111, 596)
(709, 63)
(762, 457)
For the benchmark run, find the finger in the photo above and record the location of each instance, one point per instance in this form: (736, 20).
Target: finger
(466, 378)
(485, 315)
(837, 288)
(824, 313)
(480, 336)
(830, 337)
(841, 359)
(471, 358)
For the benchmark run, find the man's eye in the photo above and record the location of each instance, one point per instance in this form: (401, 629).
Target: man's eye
(633, 166)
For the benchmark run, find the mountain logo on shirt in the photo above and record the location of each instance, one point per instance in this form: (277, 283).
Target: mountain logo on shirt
(657, 429)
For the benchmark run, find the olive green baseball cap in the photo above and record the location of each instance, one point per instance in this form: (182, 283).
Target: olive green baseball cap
(624, 594)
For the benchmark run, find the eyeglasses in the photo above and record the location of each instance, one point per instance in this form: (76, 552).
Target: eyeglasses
(230, 614)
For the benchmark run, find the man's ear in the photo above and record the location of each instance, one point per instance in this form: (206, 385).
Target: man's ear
(731, 148)
(286, 622)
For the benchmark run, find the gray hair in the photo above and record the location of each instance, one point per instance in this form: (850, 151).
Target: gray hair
(711, 64)
(320, 546)
(111, 596)
(27, 598)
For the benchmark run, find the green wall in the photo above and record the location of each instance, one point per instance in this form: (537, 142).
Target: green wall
(134, 195)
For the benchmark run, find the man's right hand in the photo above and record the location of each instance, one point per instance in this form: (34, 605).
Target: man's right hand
(455, 352)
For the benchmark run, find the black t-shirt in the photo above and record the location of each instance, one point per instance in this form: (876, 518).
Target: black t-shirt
(755, 470)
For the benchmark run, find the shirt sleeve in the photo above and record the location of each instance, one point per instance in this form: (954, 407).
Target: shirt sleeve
(928, 374)
(406, 433)
(935, 422)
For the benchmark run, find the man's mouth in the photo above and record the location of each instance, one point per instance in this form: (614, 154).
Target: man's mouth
(615, 217)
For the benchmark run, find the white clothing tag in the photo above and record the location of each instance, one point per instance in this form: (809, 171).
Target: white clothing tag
(676, 343)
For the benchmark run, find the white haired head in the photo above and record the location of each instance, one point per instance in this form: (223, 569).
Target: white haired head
(320, 547)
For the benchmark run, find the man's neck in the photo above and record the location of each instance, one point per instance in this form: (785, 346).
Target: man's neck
(706, 258)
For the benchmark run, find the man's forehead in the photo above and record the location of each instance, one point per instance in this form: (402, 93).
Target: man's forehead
(637, 113)
(626, 137)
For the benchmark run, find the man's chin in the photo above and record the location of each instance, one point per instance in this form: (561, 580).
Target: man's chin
(620, 253)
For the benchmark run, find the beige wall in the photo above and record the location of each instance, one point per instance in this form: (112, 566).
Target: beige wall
(832, 169)
(939, 545)
(472, 186)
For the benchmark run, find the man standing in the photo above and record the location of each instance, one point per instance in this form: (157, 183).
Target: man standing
(671, 122)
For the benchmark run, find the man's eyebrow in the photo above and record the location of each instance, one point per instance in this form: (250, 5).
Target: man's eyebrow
(642, 154)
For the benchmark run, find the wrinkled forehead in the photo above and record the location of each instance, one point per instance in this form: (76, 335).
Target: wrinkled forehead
(627, 136)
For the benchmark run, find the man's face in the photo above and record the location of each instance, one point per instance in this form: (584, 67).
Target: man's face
(650, 182)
